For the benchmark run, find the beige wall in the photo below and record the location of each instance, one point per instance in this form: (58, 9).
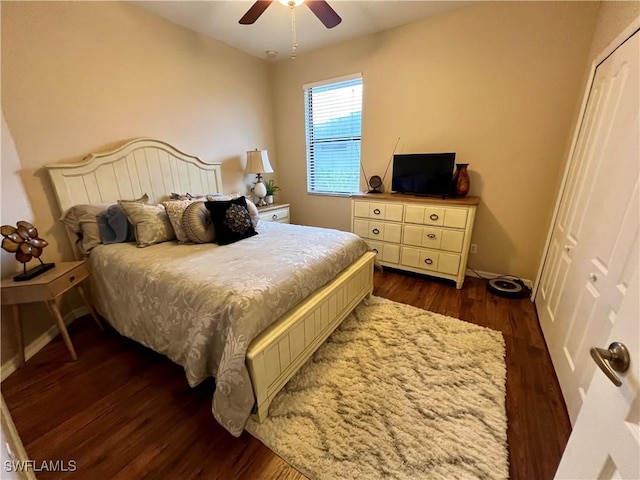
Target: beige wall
(497, 82)
(79, 77)
(15, 207)
(613, 18)
(13, 196)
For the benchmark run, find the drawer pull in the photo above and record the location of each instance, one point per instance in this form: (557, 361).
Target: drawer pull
(432, 236)
(274, 216)
(72, 278)
(434, 216)
(376, 211)
(428, 261)
(376, 251)
(375, 231)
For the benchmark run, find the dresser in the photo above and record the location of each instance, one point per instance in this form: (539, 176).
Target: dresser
(417, 234)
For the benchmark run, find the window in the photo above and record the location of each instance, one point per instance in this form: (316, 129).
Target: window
(333, 120)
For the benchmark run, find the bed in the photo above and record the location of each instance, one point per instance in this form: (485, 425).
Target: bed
(249, 314)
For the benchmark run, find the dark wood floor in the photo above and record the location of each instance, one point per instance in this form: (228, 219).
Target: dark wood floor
(122, 411)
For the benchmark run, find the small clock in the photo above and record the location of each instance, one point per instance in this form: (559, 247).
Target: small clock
(375, 184)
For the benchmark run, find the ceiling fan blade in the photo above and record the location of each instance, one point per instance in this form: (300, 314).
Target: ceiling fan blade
(255, 11)
(324, 12)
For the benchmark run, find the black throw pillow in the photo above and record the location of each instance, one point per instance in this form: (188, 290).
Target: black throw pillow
(231, 220)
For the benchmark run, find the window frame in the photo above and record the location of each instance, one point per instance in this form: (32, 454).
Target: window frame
(310, 142)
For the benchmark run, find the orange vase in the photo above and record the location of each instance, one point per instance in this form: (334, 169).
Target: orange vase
(460, 182)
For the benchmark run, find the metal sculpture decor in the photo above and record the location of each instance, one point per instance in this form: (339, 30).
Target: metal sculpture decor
(23, 240)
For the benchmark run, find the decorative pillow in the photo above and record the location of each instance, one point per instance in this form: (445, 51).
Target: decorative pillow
(197, 224)
(253, 210)
(179, 196)
(114, 226)
(189, 196)
(221, 197)
(150, 222)
(186, 196)
(231, 220)
(82, 220)
(253, 213)
(175, 210)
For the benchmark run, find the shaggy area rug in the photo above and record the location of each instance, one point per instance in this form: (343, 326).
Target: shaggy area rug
(395, 392)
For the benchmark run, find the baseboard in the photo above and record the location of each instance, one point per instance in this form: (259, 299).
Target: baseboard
(490, 275)
(39, 343)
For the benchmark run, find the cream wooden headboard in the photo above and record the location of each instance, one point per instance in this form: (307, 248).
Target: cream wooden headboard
(137, 167)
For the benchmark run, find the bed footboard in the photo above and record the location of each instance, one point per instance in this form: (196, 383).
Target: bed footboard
(275, 355)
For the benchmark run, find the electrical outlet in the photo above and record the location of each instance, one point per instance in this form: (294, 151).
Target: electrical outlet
(473, 248)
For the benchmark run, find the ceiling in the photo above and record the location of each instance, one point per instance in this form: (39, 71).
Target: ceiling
(272, 31)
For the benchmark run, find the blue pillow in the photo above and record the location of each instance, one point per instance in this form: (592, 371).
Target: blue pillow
(114, 226)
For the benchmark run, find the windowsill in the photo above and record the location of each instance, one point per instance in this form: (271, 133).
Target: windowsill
(330, 194)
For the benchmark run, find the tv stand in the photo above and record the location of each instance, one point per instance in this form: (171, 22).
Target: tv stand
(428, 235)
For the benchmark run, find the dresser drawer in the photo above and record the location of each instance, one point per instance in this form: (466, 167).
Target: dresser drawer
(278, 215)
(436, 238)
(419, 258)
(378, 210)
(68, 280)
(385, 252)
(384, 231)
(424, 215)
(437, 216)
(430, 260)
(449, 263)
(455, 217)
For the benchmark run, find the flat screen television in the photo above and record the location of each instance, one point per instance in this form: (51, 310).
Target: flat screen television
(426, 174)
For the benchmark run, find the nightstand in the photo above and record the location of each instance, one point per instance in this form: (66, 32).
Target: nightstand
(47, 288)
(276, 212)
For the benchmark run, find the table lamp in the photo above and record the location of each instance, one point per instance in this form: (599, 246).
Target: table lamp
(258, 163)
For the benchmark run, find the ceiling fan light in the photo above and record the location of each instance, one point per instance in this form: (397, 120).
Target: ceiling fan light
(291, 3)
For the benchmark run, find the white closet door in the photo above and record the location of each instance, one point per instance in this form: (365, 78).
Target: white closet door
(605, 442)
(595, 239)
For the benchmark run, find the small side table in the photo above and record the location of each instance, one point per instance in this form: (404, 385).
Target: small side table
(47, 288)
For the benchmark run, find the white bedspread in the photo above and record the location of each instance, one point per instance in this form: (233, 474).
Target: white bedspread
(201, 305)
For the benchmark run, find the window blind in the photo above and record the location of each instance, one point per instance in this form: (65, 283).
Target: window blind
(333, 125)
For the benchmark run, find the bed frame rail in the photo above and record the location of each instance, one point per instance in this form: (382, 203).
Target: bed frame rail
(275, 355)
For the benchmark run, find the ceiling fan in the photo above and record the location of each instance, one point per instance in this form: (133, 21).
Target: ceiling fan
(320, 8)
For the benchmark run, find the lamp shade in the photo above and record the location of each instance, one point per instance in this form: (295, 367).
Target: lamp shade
(258, 162)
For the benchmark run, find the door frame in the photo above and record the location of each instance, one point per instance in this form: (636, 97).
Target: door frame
(619, 40)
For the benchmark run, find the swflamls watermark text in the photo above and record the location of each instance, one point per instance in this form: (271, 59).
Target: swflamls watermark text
(40, 466)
